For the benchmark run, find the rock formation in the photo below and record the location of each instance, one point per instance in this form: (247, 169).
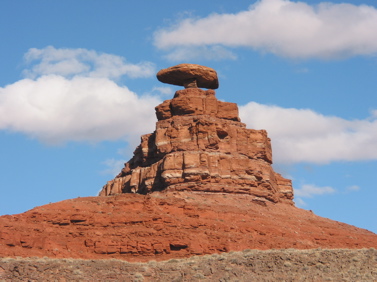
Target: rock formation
(200, 145)
(201, 183)
(189, 76)
(170, 224)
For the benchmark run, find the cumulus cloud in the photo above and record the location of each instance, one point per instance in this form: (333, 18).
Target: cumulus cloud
(309, 190)
(163, 90)
(55, 109)
(70, 95)
(74, 101)
(282, 27)
(302, 135)
(214, 53)
(82, 62)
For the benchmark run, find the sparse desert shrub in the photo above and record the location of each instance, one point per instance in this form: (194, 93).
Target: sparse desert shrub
(199, 276)
(273, 265)
(220, 258)
(236, 260)
(77, 272)
(173, 261)
(152, 262)
(138, 277)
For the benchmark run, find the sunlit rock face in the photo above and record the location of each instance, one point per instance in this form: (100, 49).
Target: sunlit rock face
(201, 183)
(200, 145)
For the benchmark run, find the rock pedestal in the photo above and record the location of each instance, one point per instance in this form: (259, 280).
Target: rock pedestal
(201, 183)
(200, 145)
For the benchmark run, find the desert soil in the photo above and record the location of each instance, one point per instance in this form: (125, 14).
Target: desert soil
(248, 265)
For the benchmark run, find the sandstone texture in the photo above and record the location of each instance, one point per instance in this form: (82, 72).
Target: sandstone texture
(167, 225)
(189, 76)
(200, 145)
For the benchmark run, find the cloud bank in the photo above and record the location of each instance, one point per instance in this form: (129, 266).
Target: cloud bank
(302, 135)
(82, 62)
(282, 27)
(70, 95)
(69, 101)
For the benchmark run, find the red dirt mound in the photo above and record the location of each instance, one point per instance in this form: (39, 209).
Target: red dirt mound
(204, 184)
(165, 225)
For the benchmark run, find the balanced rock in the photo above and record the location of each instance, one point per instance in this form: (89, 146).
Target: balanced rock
(201, 183)
(200, 145)
(189, 76)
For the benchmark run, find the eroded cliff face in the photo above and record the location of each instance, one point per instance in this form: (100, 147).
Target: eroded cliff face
(200, 145)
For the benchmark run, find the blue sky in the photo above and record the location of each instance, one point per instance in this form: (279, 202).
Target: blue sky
(78, 88)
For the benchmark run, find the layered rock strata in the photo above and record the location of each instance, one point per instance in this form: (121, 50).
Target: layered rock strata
(200, 145)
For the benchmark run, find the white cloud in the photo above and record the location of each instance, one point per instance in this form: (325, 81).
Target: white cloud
(214, 53)
(300, 202)
(353, 188)
(55, 109)
(302, 135)
(72, 98)
(309, 190)
(286, 28)
(72, 104)
(163, 90)
(113, 166)
(82, 62)
(374, 113)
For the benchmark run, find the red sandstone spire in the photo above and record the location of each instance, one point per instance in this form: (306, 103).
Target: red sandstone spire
(219, 194)
(200, 145)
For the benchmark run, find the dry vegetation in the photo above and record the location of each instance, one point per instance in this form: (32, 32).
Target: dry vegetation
(249, 265)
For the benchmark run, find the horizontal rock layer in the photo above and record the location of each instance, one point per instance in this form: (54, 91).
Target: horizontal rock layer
(194, 101)
(200, 145)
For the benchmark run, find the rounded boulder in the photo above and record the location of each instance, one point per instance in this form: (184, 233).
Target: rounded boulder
(189, 75)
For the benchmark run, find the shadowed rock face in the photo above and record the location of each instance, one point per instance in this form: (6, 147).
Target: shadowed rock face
(200, 145)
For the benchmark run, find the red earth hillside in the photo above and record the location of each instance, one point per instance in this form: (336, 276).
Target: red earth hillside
(201, 183)
(164, 225)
